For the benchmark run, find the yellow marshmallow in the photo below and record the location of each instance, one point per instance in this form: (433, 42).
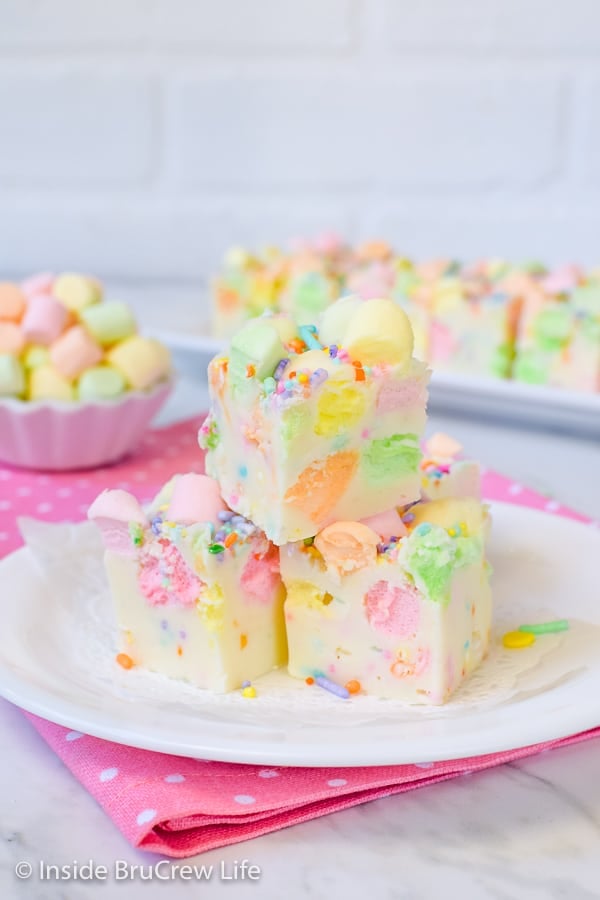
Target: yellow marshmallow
(77, 291)
(142, 361)
(45, 383)
(379, 331)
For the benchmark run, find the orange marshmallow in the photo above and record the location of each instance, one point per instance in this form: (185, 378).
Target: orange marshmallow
(142, 361)
(11, 338)
(12, 302)
(74, 352)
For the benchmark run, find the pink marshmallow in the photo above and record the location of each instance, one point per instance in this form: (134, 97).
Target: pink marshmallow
(443, 445)
(44, 319)
(11, 338)
(329, 242)
(261, 576)
(74, 352)
(195, 498)
(119, 505)
(38, 284)
(386, 524)
(112, 512)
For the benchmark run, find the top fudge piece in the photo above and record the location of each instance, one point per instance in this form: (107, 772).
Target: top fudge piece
(311, 425)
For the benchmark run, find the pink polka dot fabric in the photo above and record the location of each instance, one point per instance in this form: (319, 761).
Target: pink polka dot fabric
(181, 807)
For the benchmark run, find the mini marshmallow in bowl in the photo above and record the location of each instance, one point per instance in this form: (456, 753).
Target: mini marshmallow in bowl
(78, 384)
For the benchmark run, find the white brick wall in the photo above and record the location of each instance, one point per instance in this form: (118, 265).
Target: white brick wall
(139, 138)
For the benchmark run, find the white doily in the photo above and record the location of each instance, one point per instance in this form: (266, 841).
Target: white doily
(70, 557)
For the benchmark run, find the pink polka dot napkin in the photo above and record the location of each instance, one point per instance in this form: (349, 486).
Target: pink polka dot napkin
(181, 807)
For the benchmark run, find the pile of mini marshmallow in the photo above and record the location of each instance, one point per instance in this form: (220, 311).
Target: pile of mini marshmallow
(59, 341)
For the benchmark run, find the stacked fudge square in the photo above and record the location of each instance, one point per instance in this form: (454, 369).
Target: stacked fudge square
(321, 536)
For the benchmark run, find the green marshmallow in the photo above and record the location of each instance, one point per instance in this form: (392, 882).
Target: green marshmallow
(257, 345)
(109, 322)
(532, 368)
(311, 294)
(389, 458)
(434, 556)
(35, 356)
(12, 376)
(295, 421)
(553, 327)
(431, 561)
(100, 383)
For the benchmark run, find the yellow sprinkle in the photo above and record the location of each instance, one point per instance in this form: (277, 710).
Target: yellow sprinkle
(249, 691)
(452, 532)
(184, 532)
(463, 528)
(243, 641)
(129, 637)
(170, 524)
(516, 640)
(303, 378)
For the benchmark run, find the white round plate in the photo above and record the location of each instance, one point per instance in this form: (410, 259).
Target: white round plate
(57, 661)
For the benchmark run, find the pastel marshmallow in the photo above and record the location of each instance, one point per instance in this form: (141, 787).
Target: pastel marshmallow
(76, 292)
(44, 320)
(116, 513)
(38, 284)
(440, 444)
(142, 361)
(12, 376)
(108, 322)
(12, 302)
(36, 355)
(74, 352)
(100, 383)
(195, 498)
(386, 524)
(12, 339)
(46, 383)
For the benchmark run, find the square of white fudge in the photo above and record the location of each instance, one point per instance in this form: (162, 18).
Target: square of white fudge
(305, 429)
(192, 602)
(407, 618)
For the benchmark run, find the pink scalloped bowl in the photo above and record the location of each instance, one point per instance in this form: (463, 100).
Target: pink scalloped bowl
(57, 436)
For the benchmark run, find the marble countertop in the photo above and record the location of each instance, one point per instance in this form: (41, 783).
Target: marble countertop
(524, 831)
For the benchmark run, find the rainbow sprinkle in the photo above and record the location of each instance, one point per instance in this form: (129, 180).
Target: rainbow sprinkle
(332, 687)
(546, 627)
